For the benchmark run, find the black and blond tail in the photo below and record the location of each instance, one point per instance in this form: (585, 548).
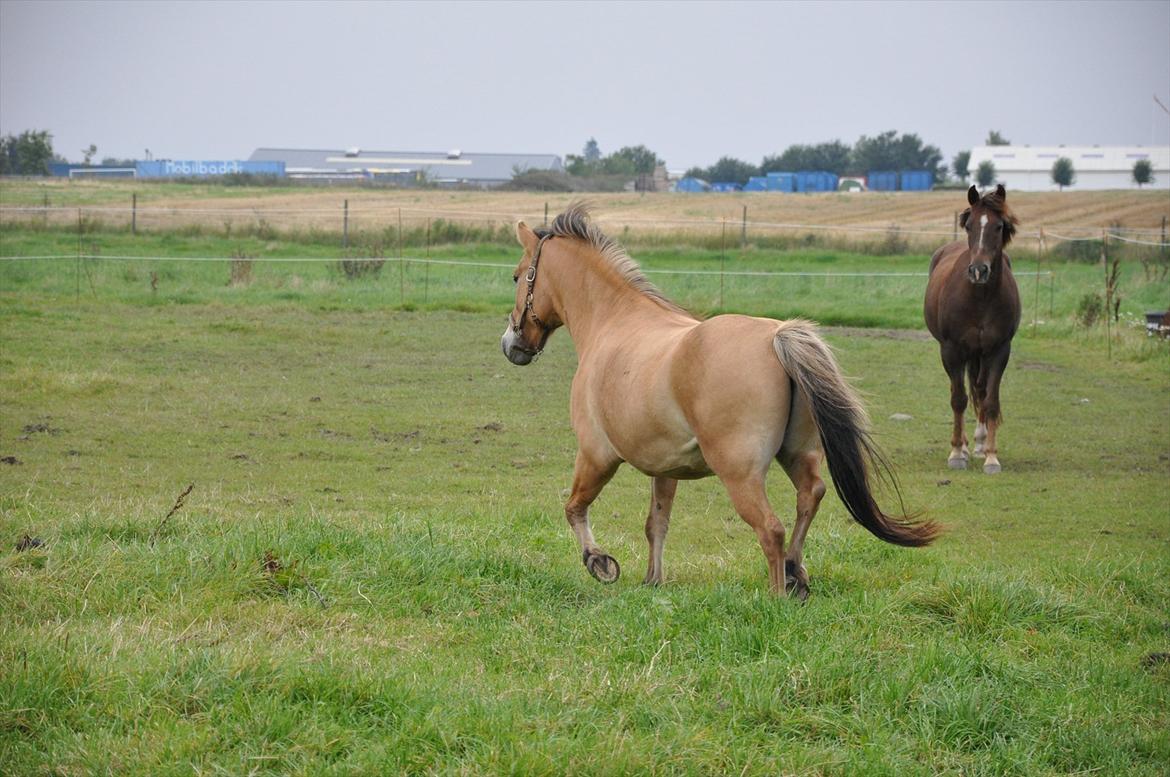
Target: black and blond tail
(842, 423)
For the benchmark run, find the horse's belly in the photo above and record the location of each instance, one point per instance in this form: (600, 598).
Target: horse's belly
(681, 460)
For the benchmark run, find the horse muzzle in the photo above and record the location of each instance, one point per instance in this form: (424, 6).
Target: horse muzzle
(979, 274)
(514, 348)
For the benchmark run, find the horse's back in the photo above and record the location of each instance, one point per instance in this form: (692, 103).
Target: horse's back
(729, 383)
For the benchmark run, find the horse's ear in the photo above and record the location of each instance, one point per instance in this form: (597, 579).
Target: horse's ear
(526, 236)
(1000, 191)
(973, 195)
(963, 218)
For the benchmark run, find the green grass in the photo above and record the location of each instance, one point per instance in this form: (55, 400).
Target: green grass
(373, 573)
(835, 292)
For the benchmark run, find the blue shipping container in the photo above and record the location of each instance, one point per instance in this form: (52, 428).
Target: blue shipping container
(781, 182)
(917, 180)
(691, 184)
(882, 181)
(724, 186)
(816, 181)
(757, 183)
(199, 168)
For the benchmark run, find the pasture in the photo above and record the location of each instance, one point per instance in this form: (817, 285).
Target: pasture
(372, 572)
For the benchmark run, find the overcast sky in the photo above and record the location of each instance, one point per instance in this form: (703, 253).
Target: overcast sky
(691, 80)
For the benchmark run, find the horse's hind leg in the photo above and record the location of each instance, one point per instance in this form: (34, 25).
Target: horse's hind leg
(589, 478)
(977, 381)
(953, 362)
(989, 410)
(751, 502)
(657, 522)
(804, 470)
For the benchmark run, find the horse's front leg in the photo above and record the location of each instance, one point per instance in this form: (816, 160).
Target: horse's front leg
(657, 522)
(953, 363)
(589, 477)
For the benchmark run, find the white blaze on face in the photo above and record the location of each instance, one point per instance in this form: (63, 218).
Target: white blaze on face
(982, 230)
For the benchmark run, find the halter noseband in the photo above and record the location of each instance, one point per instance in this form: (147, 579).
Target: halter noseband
(530, 278)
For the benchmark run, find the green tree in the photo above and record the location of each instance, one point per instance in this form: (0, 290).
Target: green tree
(995, 139)
(726, 169)
(1143, 172)
(28, 153)
(1063, 173)
(960, 164)
(888, 151)
(628, 160)
(832, 157)
(592, 152)
(88, 154)
(631, 159)
(985, 175)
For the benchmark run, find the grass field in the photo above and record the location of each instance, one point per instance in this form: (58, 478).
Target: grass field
(372, 573)
(831, 286)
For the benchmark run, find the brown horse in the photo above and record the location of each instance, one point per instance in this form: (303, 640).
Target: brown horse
(679, 398)
(973, 310)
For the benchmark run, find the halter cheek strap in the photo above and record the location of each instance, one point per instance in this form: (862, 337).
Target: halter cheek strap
(530, 279)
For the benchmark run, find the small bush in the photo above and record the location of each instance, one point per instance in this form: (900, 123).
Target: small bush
(1087, 251)
(241, 269)
(363, 262)
(893, 243)
(1089, 309)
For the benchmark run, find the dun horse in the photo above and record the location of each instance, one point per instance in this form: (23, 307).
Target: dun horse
(973, 310)
(679, 398)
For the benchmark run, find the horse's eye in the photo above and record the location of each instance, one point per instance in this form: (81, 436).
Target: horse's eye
(515, 278)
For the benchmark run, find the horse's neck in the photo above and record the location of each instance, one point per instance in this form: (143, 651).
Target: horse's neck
(595, 301)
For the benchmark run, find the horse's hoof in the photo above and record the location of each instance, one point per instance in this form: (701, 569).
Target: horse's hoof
(992, 468)
(604, 569)
(957, 462)
(978, 452)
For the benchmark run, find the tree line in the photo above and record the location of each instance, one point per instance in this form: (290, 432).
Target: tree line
(886, 151)
(31, 152)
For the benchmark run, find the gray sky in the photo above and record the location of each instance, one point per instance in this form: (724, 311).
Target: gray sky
(693, 81)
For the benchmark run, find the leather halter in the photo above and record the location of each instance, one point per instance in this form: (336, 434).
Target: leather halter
(530, 279)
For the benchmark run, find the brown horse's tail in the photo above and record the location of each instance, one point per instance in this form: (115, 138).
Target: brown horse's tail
(842, 423)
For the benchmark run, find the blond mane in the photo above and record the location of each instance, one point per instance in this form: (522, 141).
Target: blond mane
(574, 223)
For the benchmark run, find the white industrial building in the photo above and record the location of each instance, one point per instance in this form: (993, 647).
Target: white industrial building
(1029, 168)
(450, 168)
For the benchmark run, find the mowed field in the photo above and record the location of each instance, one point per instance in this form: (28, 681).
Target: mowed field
(321, 206)
(372, 573)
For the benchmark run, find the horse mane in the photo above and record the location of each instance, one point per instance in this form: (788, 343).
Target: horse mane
(997, 205)
(574, 223)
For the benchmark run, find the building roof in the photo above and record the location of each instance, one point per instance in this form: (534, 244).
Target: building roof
(451, 166)
(1084, 158)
